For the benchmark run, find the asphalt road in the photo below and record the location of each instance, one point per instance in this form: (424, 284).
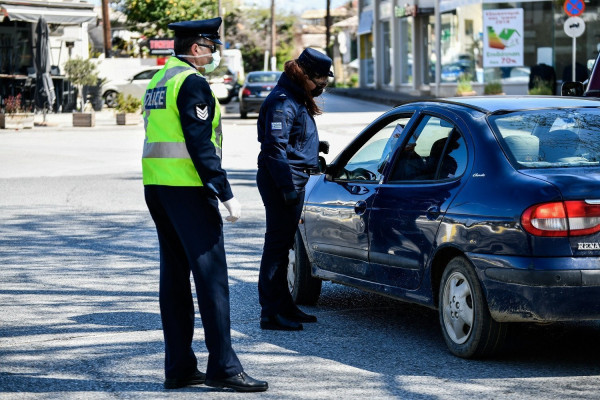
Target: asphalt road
(79, 280)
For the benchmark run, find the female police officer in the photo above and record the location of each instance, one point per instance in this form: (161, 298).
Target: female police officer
(289, 152)
(183, 179)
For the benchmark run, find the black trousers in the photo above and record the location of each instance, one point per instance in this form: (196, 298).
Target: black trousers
(282, 222)
(190, 235)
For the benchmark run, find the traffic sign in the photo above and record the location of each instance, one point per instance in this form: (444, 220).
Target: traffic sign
(574, 27)
(574, 8)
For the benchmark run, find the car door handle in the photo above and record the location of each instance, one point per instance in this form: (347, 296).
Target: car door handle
(360, 207)
(433, 212)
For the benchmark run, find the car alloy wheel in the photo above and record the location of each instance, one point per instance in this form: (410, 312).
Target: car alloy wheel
(468, 328)
(303, 287)
(458, 308)
(110, 99)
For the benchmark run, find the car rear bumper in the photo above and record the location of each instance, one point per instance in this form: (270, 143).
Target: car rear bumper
(540, 289)
(251, 104)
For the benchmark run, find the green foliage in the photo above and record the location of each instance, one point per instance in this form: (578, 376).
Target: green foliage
(464, 84)
(81, 72)
(250, 31)
(494, 87)
(541, 88)
(151, 17)
(128, 104)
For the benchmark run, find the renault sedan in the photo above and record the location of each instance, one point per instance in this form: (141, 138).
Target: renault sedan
(486, 209)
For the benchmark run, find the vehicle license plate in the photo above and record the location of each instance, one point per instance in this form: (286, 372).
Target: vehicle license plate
(264, 93)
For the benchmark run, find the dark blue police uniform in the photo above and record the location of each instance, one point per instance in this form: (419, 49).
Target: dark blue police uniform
(190, 234)
(289, 150)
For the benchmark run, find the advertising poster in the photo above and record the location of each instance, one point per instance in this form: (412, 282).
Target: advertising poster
(503, 38)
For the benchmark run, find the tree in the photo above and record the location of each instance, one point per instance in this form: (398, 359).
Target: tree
(250, 30)
(81, 72)
(151, 17)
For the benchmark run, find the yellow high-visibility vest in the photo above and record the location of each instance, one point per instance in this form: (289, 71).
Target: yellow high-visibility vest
(165, 160)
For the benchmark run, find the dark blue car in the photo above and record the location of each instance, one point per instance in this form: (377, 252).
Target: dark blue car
(487, 209)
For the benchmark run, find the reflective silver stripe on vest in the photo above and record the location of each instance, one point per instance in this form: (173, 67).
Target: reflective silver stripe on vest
(165, 150)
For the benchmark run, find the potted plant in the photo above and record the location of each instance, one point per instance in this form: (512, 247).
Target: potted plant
(81, 72)
(494, 87)
(14, 115)
(464, 87)
(128, 110)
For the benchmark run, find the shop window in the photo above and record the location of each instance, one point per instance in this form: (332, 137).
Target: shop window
(387, 53)
(16, 53)
(406, 26)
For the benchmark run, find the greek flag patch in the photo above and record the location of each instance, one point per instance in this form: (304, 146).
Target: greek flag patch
(202, 111)
(276, 125)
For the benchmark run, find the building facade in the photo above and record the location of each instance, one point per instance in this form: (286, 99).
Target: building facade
(398, 44)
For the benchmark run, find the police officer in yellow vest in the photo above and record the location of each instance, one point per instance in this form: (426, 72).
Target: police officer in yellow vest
(183, 182)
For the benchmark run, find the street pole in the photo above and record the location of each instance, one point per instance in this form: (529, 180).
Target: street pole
(222, 27)
(438, 47)
(273, 37)
(106, 29)
(328, 29)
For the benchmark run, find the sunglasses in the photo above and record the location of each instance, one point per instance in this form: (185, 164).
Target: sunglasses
(213, 47)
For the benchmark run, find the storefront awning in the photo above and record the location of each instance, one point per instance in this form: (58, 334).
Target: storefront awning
(449, 5)
(53, 15)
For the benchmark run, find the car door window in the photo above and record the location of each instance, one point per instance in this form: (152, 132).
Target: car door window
(435, 151)
(371, 158)
(145, 74)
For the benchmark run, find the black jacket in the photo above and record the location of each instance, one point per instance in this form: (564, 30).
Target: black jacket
(288, 136)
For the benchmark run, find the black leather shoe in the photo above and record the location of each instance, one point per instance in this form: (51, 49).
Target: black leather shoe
(241, 382)
(197, 378)
(278, 322)
(298, 315)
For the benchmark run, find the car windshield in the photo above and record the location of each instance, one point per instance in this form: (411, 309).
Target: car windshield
(550, 138)
(264, 77)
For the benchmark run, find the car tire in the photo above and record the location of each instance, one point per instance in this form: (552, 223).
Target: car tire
(467, 326)
(110, 99)
(243, 114)
(303, 287)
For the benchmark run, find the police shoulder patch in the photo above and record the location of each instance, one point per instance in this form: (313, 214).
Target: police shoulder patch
(202, 111)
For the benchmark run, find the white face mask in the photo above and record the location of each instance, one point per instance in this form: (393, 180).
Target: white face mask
(216, 59)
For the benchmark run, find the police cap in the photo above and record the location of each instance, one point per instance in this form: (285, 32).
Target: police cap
(206, 28)
(315, 62)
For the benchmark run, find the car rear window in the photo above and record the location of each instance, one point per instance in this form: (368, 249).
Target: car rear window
(264, 77)
(550, 138)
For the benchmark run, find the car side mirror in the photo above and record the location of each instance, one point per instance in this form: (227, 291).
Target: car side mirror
(330, 171)
(322, 164)
(572, 89)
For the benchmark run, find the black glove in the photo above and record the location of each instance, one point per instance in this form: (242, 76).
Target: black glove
(291, 198)
(324, 147)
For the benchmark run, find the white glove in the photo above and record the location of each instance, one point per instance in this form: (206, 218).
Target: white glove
(235, 209)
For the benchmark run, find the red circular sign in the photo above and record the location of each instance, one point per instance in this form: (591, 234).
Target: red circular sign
(574, 8)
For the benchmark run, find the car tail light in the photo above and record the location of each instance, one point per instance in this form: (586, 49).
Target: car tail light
(562, 218)
(246, 92)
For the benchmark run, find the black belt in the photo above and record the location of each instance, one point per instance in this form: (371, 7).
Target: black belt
(311, 171)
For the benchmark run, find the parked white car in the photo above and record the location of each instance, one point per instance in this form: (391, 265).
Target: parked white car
(134, 85)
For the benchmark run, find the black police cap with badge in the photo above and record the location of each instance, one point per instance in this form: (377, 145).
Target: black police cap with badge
(315, 62)
(206, 28)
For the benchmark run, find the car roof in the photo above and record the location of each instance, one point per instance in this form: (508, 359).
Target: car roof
(490, 104)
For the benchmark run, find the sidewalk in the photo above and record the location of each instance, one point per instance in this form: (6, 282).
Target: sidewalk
(106, 117)
(381, 96)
